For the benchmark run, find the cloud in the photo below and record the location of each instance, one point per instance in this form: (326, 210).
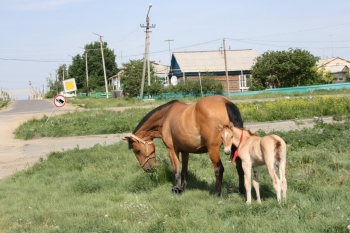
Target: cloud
(40, 5)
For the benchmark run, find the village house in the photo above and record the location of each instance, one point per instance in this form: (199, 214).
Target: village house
(196, 64)
(337, 66)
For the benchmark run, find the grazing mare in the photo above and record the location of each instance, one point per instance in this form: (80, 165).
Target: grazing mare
(255, 151)
(186, 128)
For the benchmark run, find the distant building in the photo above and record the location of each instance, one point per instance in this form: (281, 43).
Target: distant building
(161, 72)
(337, 66)
(195, 64)
(115, 80)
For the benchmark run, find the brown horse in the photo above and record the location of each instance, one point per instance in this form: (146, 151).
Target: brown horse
(186, 128)
(255, 151)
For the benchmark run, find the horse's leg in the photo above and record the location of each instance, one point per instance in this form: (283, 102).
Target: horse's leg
(282, 169)
(276, 181)
(256, 183)
(214, 154)
(240, 175)
(247, 180)
(174, 157)
(184, 171)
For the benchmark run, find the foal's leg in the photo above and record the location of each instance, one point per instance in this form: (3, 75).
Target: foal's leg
(276, 181)
(256, 183)
(184, 171)
(247, 180)
(282, 169)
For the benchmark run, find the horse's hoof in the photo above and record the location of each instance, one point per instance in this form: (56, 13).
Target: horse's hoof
(176, 190)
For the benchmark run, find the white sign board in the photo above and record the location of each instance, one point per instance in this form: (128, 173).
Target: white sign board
(69, 85)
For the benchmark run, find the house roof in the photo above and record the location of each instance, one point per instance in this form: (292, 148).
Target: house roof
(336, 69)
(213, 61)
(336, 61)
(159, 68)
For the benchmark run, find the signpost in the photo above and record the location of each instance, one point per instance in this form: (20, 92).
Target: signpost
(59, 101)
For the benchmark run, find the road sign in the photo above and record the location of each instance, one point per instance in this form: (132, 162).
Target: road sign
(59, 101)
(69, 85)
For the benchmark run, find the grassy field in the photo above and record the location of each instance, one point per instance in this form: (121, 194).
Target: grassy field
(100, 121)
(119, 102)
(103, 189)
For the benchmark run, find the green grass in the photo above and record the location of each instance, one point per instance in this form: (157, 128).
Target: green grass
(313, 93)
(103, 189)
(4, 104)
(88, 102)
(101, 121)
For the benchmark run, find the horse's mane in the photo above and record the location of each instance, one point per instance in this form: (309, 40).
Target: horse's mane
(250, 132)
(145, 118)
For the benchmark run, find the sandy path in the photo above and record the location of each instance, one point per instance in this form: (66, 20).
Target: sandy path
(18, 154)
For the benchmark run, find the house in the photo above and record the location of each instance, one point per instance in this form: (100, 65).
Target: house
(117, 85)
(115, 80)
(195, 64)
(337, 66)
(161, 72)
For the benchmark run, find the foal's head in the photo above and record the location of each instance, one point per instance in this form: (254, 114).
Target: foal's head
(226, 137)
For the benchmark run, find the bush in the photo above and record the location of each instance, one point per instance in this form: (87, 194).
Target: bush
(194, 86)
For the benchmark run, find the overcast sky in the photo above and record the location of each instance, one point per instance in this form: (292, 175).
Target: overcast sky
(39, 35)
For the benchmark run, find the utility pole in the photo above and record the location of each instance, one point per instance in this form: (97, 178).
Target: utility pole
(228, 87)
(169, 49)
(146, 56)
(56, 83)
(63, 68)
(103, 62)
(332, 44)
(87, 73)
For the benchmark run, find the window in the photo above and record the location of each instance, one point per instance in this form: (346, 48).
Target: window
(243, 82)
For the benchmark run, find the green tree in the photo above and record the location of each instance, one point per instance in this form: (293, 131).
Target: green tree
(56, 85)
(131, 79)
(325, 76)
(275, 69)
(347, 77)
(77, 69)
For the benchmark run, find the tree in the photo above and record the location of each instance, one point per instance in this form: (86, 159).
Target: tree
(96, 79)
(131, 79)
(325, 76)
(54, 86)
(274, 69)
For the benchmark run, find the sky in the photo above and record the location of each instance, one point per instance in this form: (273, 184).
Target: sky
(37, 36)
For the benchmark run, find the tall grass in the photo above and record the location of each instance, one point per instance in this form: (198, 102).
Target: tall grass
(103, 189)
(109, 122)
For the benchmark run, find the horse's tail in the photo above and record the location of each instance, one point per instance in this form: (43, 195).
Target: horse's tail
(235, 117)
(278, 151)
(234, 114)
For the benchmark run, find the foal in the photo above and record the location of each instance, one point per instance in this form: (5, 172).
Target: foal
(255, 151)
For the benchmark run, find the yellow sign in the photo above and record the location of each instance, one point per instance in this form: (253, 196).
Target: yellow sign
(69, 85)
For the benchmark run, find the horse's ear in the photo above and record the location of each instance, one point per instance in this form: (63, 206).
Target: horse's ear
(220, 127)
(126, 139)
(231, 125)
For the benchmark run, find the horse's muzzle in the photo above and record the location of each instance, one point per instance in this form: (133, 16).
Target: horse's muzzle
(148, 167)
(228, 152)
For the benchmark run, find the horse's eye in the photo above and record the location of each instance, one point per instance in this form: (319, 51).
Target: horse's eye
(137, 151)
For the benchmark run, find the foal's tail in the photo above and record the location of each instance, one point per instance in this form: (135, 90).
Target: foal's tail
(278, 152)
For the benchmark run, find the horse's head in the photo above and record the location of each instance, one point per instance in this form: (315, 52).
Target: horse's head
(145, 152)
(226, 137)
